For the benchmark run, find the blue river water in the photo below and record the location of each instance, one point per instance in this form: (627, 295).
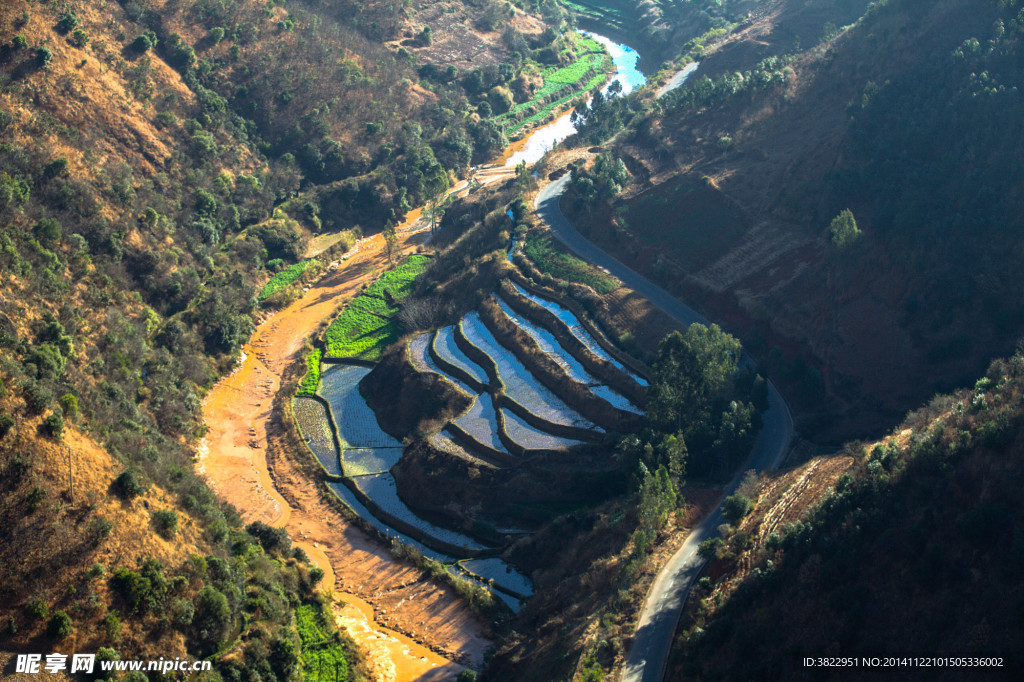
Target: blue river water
(543, 139)
(626, 61)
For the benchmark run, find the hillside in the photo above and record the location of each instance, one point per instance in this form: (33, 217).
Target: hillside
(775, 137)
(159, 162)
(910, 553)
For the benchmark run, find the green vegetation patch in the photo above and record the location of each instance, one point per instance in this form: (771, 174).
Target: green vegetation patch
(323, 653)
(553, 259)
(365, 328)
(591, 58)
(399, 281)
(312, 378)
(283, 279)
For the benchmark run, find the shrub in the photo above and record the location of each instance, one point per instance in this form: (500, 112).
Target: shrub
(736, 507)
(35, 498)
(216, 34)
(182, 613)
(44, 56)
(100, 528)
(36, 609)
(6, 424)
(166, 523)
(60, 625)
(79, 38)
(112, 625)
(19, 42)
(53, 425)
(127, 486)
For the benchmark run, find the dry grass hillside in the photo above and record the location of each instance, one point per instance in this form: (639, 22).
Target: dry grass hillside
(59, 550)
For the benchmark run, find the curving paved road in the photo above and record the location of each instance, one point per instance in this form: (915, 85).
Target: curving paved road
(663, 606)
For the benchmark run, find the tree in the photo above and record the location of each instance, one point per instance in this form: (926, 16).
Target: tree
(391, 240)
(736, 507)
(436, 186)
(657, 498)
(60, 625)
(68, 20)
(213, 614)
(843, 229)
(273, 540)
(127, 486)
(44, 56)
(691, 369)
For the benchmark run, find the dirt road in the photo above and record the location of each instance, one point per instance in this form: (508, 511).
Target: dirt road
(376, 590)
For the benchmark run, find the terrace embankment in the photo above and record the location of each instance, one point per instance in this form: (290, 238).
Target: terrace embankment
(250, 466)
(457, 492)
(597, 365)
(577, 395)
(425, 401)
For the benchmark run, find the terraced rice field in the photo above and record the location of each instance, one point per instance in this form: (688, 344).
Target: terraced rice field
(520, 385)
(615, 399)
(549, 344)
(554, 350)
(501, 573)
(578, 330)
(356, 422)
(353, 503)
(444, 346)
(364, 461)
(381, 489)
(532, 438)
(421, 360)
(481, 422)
(311, 416)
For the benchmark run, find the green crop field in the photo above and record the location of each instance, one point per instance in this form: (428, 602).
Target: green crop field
(552, 259)
(365, 328)
(283, 279)
(590, 59)
(312, 378)
(323, 656)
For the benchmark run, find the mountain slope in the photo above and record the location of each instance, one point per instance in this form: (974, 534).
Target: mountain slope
(770, 155)
(911, 554)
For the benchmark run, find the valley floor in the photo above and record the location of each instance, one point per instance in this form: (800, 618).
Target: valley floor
(371, 589)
